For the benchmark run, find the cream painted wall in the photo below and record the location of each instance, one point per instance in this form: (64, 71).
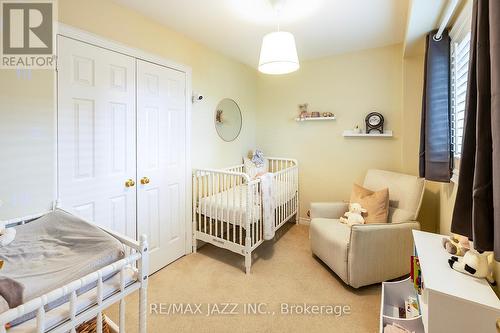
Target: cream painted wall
(412, 109)
(349, 85)
(413, 80)
(447, 195)
(27, 146)
(27, 134)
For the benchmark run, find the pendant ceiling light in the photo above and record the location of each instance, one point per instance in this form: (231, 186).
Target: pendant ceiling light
(278, 53)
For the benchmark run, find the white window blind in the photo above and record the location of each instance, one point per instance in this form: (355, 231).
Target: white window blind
(459, 74)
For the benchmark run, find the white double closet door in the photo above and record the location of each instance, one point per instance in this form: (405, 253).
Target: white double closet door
(122, 145)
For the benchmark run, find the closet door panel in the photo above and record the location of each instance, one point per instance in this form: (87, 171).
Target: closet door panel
(161, 160)
(96, 134)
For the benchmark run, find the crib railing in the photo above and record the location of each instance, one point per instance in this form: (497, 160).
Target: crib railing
(240, 168)
(286, 184)
(137, 260)
(224, 207)
(277, 164)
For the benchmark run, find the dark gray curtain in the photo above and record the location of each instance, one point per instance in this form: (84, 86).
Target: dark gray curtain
(477, 207)
(435, 129)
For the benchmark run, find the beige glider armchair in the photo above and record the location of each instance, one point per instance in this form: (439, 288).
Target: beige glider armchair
(369, 253)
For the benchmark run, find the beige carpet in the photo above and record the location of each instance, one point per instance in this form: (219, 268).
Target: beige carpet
(283, 271)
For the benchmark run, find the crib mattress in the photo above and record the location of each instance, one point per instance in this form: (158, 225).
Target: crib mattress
(229, 205)
(52, 251)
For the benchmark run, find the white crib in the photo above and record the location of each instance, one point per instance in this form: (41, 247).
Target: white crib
(227, 206)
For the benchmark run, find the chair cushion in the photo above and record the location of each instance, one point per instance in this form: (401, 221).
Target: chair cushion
(330, 242)
(375, 203)
(405, 192)
(397, 215)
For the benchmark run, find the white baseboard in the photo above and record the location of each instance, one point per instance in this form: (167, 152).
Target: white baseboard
(304, 220)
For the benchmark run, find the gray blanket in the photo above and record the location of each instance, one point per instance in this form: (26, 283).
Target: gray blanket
(50, 252)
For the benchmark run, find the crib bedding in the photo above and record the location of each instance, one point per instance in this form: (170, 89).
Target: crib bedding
(52, 251)
(220, 206)
(223, 202)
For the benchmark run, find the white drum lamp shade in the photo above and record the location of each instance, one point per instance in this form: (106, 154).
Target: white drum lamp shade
(278, 54)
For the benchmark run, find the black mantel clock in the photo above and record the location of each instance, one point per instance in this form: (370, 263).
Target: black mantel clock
(374, 121)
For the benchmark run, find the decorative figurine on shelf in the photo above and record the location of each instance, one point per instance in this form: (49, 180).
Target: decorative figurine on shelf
(315, 114)
(303, 113)
(356, 130)
(374, 121)
(328, 114)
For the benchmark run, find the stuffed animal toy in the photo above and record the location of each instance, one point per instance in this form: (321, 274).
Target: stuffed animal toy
(353, 216)
(474, 263)
(457, 245)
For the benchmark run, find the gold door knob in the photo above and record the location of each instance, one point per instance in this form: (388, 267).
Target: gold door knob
(130, 183)
(144, 180)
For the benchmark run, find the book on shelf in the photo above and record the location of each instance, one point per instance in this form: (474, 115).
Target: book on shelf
(416, 274)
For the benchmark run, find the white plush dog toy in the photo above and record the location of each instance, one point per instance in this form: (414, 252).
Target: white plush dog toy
(353, 216)
(474, 263)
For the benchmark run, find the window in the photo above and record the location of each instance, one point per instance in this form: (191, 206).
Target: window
(459, 72)
(460, 54)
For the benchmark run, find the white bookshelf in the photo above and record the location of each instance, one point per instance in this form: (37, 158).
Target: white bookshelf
(452, 301)
(351, 133)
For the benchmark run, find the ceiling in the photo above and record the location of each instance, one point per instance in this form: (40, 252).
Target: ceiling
(321, 27)
(424, 16)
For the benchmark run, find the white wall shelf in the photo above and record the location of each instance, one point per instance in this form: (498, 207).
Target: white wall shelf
(315, 119)
(351, 133)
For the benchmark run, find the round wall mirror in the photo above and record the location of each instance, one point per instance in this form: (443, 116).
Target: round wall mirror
(228, 119)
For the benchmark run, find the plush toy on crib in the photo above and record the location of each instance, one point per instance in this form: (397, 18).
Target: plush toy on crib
(474, 263)
(457, 245)
(258, 158)
(354, 215)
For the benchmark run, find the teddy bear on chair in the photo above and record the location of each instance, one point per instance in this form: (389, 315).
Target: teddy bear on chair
(354, 215)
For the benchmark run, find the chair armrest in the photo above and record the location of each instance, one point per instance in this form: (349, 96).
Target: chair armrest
(328, 210)
(379, 252)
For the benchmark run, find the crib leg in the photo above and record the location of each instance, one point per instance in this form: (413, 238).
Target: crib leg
(143, 308)
(248, 254)
(195, 244)
(248, 262)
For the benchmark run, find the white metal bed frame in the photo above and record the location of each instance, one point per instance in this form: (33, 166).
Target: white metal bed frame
(137, 256)
(230, 230)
